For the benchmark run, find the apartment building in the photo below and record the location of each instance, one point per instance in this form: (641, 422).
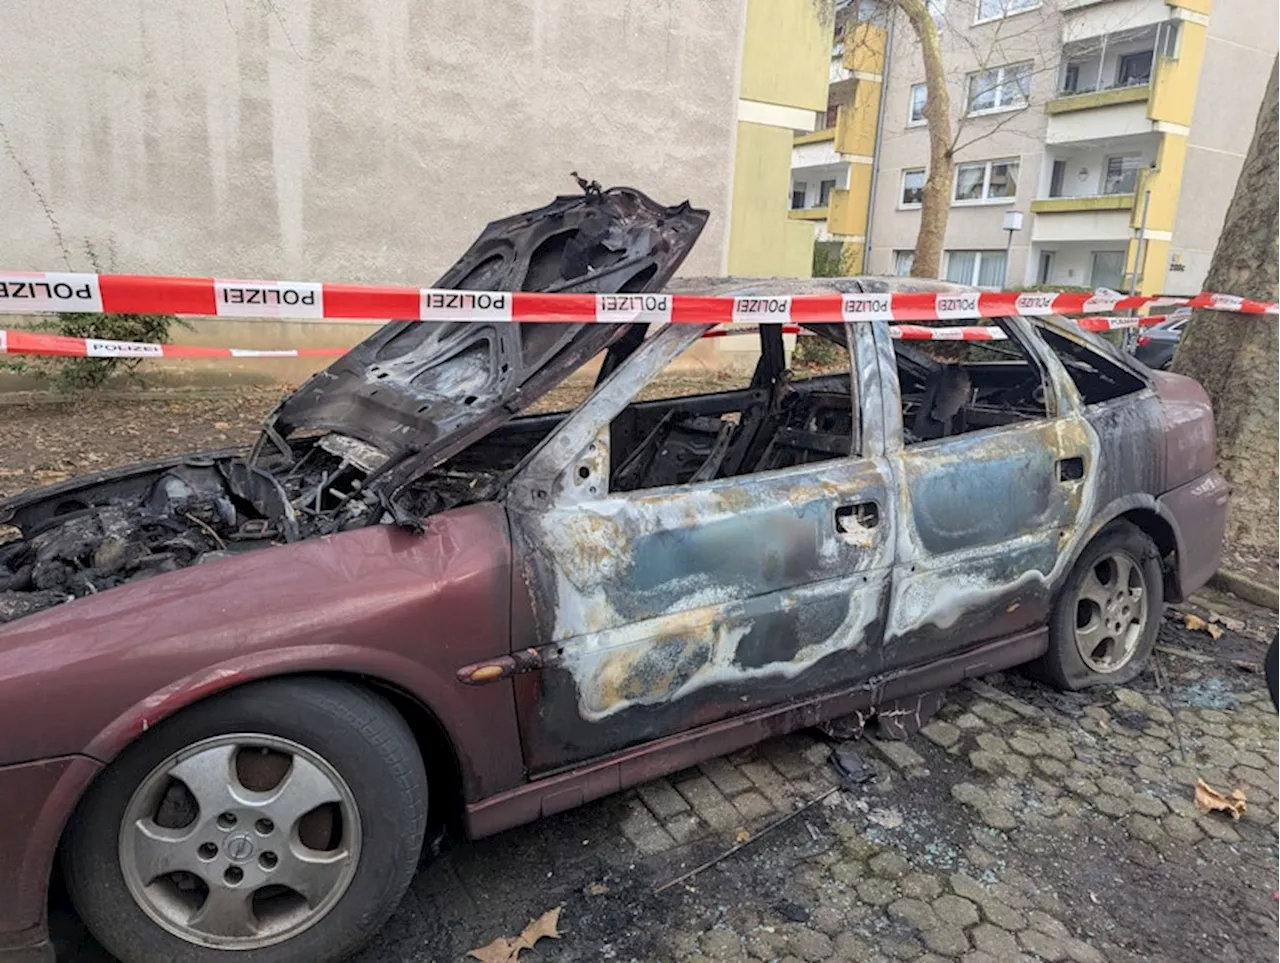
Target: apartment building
(1109, 132)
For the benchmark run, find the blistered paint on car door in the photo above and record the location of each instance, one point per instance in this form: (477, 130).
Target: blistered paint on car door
(658, 611)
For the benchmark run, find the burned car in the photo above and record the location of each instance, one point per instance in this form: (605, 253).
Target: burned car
(238, 690)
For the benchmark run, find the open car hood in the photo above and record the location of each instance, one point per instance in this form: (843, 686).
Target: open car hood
(415, 393)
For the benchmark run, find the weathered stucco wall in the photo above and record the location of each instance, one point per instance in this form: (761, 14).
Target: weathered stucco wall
(340, 140)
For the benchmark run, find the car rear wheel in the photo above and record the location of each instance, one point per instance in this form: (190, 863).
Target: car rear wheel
(281, 821)
(1105, 622)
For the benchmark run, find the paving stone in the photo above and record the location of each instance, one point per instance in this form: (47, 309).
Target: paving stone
(1254, 778)
(889, 866)
(997, 817)
(941, 733)
(898, 753)
(900, 947)
(1023, 745)
(810, 945)
(847, 872)
(992, 713)
(1058, 747)
(920, 886)
(1111, 805)
(1131, 698)
(1017, 765)
(916, 912)
(989, 762)
(1047, 925)
(1046, 947)
(827, 919)
(1148, 805)
(752, 805)
(1080, 952)
(969, 794)
(1149, 774)
(685, 828)
(877, 892)
(1045, 788)
(1159, 714)
(644, 831)
(721, 944)
(969, 722)
(956, 910)
(770, 784)
(1181, 828)
(725, 776)
(709, 803)
(992, 743)
(993, 940)
(851, 949)
(764, 945)
(1053, 768)
(980, 857)
(662, 800)
(1214, 715)
(787, 755)
(945, 939)
(1097, 712)
(1114, 787)
(1143, 827)
(979, 956)
(1217, 828)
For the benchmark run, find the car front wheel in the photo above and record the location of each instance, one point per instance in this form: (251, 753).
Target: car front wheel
(281, 822)
(1105, 621)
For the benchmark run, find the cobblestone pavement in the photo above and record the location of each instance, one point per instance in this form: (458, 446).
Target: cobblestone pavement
(1020, 824)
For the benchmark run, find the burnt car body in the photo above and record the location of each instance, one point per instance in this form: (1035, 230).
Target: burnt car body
(562, 605)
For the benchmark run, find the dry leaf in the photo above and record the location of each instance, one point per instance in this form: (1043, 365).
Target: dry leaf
(503, 950)
(596, 889)
(1210, 800)
(500, 950)
(1197, 624)
(742, 836)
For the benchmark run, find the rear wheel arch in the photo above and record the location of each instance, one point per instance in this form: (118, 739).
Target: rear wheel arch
(1145, 513)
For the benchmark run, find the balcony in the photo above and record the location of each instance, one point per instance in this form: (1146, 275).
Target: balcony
(1070, 205)
(808, 213)
(1095, 177)
(1113, 68)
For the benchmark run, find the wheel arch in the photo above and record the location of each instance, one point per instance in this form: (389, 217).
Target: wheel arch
(1146, 514)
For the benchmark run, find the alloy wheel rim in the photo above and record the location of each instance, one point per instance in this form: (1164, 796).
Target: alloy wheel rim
(240, 841)
(1110, 613)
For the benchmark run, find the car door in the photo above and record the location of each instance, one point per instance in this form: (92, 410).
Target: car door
(654, 611)
(986, 515)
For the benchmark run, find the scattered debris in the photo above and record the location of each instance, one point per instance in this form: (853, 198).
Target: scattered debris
(503, 950)
(852, 767)
(595, 889)
(1197, 624)
(741, 836)
(748, 841)
(885, 818)
(1209, 800)
(793, 912)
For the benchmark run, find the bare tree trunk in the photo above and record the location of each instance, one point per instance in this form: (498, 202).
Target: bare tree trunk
(935, 203)
(1234, 355)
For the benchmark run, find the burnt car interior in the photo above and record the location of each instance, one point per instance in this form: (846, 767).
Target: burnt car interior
(952, 387)
(1096, 378)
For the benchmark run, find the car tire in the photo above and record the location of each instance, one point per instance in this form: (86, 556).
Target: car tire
(224, 788)
(1106, 618)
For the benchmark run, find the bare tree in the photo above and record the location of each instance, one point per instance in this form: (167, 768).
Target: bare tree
(959, 59)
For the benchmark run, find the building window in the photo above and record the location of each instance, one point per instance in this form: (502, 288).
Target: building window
(831, 117)
(1107, 270)
(902, 261)
(1000, 88)
(982, 268)
(1134, 70)
(824, 192)
(995, 9)
(1168, 42)
(988, 181)
(919, 93)
(937, 10)
(1122, 174)
(797, 197)
(912, 188)
(1071, 79)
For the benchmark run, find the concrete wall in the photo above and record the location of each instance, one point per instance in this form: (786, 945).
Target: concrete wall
(338, 140)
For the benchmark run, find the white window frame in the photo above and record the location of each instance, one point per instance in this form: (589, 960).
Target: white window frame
(902, 187)
(986, 182)
(978, 19)
(898, 257)
(1000, 72)
(977, 263)
(911, 105)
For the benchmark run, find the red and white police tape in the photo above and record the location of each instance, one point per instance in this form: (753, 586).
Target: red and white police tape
(38, 293)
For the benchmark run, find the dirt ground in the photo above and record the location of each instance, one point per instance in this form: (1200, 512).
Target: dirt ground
(1021, 824)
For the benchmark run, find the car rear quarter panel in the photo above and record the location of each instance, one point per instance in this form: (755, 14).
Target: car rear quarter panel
(408, 609)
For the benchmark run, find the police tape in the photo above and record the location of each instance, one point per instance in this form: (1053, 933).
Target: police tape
(42, 293)
(52, 345)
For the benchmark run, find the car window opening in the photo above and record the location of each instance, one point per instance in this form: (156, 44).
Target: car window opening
(1096, 378)
(787, 412)
(953, 387)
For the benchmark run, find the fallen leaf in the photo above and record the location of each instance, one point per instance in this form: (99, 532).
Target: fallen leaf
(596, 889)
(1209, 800)
(500, 950)
(741, 836)
(1197, 624)
(503, 950)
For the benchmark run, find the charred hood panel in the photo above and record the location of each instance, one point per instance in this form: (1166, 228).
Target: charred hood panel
(420, 391)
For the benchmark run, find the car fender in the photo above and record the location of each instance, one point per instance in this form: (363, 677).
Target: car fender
(1136, 501)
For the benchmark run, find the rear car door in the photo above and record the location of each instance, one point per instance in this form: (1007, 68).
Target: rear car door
(696, 572)
(994, 467)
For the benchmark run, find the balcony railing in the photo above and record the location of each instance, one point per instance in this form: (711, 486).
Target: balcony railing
(1094, 202)
(1105, 97)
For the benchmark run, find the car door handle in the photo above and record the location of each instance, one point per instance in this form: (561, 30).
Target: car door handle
(858, 515)
(1071, 469)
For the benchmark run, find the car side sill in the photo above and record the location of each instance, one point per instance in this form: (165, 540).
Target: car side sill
(565, 790)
